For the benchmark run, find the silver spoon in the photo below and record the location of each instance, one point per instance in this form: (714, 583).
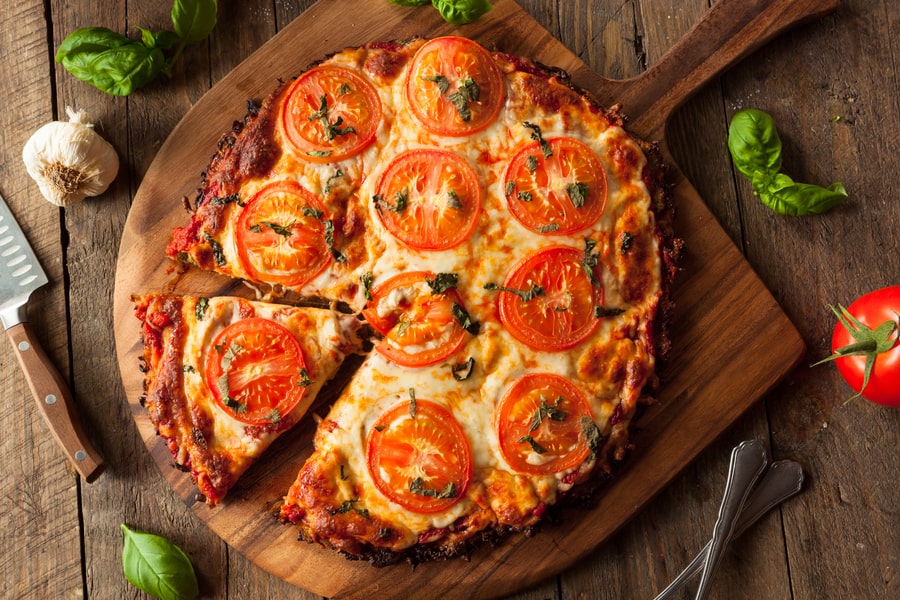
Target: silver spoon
(783, 479)
(748, 460)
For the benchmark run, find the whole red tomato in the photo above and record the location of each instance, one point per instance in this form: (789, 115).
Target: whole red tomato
(867, 338)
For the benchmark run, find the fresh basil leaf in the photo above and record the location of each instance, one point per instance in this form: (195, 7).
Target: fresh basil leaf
(754, 143)
(460, 12)
(756, 151)
(800, 199)
(157, 566)
(110, 61)
(119, 71)
(89, 40)
(82, 46)
(194, 20)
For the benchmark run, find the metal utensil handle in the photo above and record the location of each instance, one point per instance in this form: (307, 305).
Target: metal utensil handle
(783, 479)
(748, 460)
(55, 402)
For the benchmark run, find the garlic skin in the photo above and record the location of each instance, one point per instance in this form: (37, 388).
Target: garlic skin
(69, 160)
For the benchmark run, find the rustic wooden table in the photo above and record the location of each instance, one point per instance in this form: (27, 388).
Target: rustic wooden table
(832, 87)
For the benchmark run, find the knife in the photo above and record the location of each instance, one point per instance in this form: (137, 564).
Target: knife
(20, 275)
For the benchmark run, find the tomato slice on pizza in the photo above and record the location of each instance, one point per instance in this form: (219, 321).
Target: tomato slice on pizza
(429, 199)
(541, 423)
(281, 235)
(555, 187)
(330, 113)
(454, 87)
(422, 323)
(549, 301)
(418, 456)
(256, 371)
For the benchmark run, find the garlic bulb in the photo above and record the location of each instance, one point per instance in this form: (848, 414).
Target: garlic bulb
(69, 160)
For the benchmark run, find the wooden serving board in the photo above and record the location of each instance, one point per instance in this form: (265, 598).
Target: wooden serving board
(731, 341)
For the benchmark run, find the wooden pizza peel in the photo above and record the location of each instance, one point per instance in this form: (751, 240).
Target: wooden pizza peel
(731, 341)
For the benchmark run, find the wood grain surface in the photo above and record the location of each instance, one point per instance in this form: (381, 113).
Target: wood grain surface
(726, 319)
(830, 85)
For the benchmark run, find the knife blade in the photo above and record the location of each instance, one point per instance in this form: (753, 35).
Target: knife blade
(20, 275)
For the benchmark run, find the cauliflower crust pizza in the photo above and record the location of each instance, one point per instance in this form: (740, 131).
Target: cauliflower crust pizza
(497, 239)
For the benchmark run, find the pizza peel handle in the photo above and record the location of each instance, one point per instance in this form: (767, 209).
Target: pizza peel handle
(729, 31)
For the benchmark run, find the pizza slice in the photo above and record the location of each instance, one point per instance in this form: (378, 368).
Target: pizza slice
(278, 204)
(225, 376)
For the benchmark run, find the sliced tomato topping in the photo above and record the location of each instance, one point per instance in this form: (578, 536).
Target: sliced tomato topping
(418, 456)
(541, 424)
(548, 300)
(256, 371)
(330, 113)
(281, 235)
(556, 188)
(429, 199)
(454, 87)
(419, 325)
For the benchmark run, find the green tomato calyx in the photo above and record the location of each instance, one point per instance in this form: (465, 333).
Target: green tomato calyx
(869, 342)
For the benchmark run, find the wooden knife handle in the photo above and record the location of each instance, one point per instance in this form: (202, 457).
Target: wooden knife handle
(55, 402)
(729, 31)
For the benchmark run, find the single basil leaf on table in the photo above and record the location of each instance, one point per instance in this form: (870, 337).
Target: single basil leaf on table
(194, 20)
(754, 143)
(460, 12)
(158, 567)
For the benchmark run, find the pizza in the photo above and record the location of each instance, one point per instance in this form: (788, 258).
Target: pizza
(226, 376)
(505, 246)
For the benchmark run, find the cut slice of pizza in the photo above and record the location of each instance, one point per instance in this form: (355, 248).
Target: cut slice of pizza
(225, 376)
(278, 205)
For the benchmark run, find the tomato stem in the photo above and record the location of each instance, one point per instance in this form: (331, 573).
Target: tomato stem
(869, 342)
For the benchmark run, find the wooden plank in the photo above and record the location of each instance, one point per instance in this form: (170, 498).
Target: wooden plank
(39, 553)
(133, 126)
(93, 228)
(840, 125)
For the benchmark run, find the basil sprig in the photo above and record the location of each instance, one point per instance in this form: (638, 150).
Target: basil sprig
(455, 12)
(158, 567)
(755, 148)
(118, 65)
